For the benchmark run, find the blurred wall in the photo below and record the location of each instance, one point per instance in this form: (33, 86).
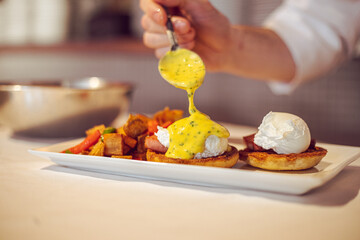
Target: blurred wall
(330, 105)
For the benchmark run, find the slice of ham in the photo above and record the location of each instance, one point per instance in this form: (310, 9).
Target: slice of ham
(249, 141)
(151, 142)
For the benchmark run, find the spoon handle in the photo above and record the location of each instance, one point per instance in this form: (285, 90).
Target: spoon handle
(170, 30)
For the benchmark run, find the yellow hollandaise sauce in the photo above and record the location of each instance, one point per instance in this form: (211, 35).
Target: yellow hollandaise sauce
(188, 135)
(185, 69)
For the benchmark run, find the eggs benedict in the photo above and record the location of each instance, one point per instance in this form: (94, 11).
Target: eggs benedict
(283, 142)
(195, 139)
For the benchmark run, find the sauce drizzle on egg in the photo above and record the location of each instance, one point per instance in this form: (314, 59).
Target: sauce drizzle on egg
(184, 69)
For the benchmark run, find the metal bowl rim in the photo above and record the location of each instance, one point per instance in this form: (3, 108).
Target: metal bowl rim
(51, 85)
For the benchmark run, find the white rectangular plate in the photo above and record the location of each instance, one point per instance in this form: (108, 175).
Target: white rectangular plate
(240, 176)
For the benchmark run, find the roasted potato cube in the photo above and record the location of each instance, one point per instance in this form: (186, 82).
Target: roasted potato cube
(114, 144)
(90, 131)
(136, 125)
(141, 143)
(167, 115)
(98, 149)
(139, 156)
(122, 156)
(129, 141)
(121, 130)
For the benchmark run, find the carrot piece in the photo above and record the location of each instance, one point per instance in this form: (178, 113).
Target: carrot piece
(152, 127)
(129, 141)
(88, 142)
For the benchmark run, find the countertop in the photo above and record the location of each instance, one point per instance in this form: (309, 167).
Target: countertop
(42, 200)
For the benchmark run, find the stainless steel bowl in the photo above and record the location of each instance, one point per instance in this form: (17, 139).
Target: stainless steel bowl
(60, 109)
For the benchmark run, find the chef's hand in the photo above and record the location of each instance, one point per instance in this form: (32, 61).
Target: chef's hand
(252, 52)
(200, 27)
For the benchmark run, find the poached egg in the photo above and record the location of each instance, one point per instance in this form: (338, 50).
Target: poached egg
(214, 146)
(284, 133)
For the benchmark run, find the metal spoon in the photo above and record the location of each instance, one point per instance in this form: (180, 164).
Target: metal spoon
(182, 68)
(170, 30)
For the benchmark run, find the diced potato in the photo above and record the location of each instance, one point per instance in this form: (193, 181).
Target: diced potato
(121, 130)
(167, 115)
(90, 131)
(85, 152)
(141, 143)
(129, 141)
(114, 144)
(139, 156)
(135, 125)
(122, 156)
(98, 149)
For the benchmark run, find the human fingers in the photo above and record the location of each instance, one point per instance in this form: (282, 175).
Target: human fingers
(160, 40)
(150, 26)
(170, 3)
(154, 11)
(181, 25)
(155, 40)
(160, 52)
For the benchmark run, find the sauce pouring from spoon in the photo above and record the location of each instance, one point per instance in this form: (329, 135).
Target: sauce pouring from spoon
(182, 68)
(185, 69)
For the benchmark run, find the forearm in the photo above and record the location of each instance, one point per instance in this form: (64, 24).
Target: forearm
(258, 53)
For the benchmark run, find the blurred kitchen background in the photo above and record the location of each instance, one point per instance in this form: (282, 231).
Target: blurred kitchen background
(70, 39)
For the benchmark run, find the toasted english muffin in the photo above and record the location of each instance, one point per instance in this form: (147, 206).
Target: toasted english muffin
(270, 160)
(226, 160)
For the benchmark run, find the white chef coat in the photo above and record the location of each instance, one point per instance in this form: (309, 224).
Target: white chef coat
(320, 34)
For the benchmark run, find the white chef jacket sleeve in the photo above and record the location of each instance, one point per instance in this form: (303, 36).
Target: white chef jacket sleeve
(320, 34)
